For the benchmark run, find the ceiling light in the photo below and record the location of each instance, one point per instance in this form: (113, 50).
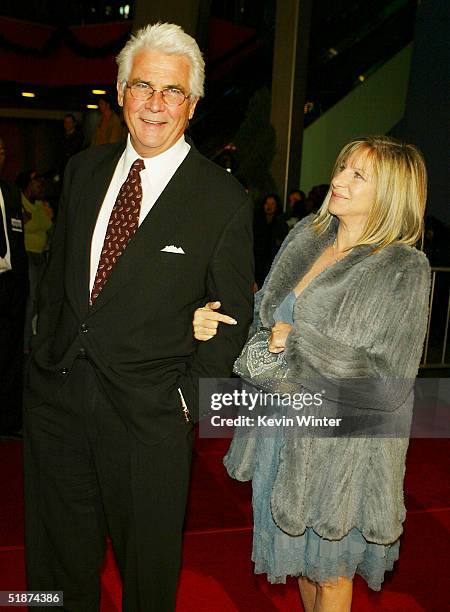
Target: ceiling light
(28, 94)
(94, 106)
(99, 92)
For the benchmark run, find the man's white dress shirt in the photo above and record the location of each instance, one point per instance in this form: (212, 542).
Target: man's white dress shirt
(5, 262)
(158, 172)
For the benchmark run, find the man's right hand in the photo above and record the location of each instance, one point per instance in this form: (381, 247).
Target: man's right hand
(206, 321)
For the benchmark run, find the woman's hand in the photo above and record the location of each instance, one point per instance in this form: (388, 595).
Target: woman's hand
(206, 321)
(277, 340)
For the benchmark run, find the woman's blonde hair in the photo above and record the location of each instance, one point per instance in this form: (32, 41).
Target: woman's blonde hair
(401, 191)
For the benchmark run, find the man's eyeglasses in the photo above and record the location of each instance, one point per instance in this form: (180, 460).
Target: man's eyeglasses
(171, 95)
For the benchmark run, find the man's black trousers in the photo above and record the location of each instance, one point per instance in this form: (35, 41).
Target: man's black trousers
(12, 313)
(87, 477)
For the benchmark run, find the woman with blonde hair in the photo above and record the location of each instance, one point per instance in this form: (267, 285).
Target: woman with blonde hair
(345, 305)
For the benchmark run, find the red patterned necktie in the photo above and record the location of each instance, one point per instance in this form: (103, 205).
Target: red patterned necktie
(122, 226)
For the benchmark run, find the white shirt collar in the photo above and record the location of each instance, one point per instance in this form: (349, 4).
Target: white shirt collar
(160, 164)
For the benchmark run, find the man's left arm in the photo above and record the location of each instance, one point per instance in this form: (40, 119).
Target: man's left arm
(230, 280)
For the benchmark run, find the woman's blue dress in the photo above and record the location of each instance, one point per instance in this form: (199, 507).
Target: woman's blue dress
(278, 554)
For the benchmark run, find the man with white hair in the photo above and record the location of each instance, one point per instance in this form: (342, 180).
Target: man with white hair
(148, 230)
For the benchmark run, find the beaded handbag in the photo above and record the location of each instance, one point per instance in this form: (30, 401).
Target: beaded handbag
(257, 365)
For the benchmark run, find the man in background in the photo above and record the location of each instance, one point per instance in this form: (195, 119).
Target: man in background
(13, 295)
(2, 155)
(109, 127)
(72, 140)
(37, 219)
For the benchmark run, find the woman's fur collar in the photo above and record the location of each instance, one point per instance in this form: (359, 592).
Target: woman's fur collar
(296, 260)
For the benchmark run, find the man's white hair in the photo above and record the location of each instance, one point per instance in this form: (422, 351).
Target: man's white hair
(167, 38)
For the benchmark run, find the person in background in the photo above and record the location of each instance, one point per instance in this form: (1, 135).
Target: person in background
(37, 218)
(72, 141)
(436, 242)
(295, 196)
(269, 231)
(2, 155)
(317, 194)
(302, 208)
(347, 304)
(13, 295)
(109, 127)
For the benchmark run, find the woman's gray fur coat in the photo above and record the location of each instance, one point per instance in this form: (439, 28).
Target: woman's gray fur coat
(362, 318)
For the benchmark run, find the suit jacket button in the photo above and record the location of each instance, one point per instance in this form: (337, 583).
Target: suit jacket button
(82, 353)
(63, 371)
(84, 328)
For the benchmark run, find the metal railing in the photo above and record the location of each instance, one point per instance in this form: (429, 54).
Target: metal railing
(440, 286)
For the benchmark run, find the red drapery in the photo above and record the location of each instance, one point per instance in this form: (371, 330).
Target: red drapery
(56, 60)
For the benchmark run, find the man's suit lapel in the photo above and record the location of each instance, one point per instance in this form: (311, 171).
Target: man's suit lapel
(12, 209)
(168, 211)
(7, 221)
(97, 183)
(5, 192)
(8, 202)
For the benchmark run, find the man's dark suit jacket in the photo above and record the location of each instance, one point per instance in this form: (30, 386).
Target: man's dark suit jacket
(13, 295)
(138, 334)
(13, 209)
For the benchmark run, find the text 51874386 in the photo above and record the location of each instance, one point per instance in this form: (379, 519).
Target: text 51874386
(31, 598)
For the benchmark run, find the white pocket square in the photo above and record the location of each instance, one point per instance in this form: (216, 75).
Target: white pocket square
(170, 248)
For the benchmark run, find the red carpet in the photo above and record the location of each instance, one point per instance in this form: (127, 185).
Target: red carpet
(217, 573)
